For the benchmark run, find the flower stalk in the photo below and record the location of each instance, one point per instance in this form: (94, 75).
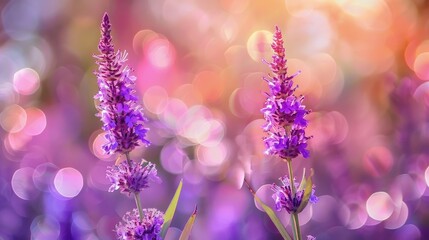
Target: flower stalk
(294, 216)
(139, 205)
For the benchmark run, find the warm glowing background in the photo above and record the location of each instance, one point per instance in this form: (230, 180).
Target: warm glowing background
(365, 75)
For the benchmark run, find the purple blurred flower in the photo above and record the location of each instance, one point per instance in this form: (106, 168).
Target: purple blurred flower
(313, 198)
(119, 111)
(148, 228)
(309, 237)
(131, 177)
(284, 112)
(285, 199)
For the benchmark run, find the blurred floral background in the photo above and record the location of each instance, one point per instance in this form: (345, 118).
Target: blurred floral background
(365, 73)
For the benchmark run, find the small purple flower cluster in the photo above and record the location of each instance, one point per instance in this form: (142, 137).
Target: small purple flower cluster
(285, 199)
(132, 177)
(123, 122)
(122, 117)
(284, 112)
(148, 228)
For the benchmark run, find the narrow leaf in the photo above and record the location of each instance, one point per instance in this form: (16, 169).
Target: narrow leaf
(188, 227)
(302, 183)
(169, 214)
(270, 214)
(308, 188)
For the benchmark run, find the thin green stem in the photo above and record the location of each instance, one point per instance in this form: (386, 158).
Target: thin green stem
(295, 226)
(127, 155)
(292, 182)
(136, 195)
(294, 216)
(139, 205)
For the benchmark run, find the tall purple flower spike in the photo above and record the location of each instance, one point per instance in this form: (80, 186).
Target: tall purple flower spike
(284, 112)
(149, 228)
(122, 116)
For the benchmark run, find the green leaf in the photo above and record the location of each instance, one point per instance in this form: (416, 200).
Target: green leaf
(169, 214)
(188, 227)
(307, 186)
(270, 214)
(302, 183)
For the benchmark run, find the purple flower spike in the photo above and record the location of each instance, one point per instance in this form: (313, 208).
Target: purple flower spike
(132, 177)
(284, 112)
(122, 116)
(284, 199)
(149, 228)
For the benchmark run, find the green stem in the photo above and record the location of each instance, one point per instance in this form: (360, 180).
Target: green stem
(294, 216)
(295, 226)
(139, 205)
(136, 195)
